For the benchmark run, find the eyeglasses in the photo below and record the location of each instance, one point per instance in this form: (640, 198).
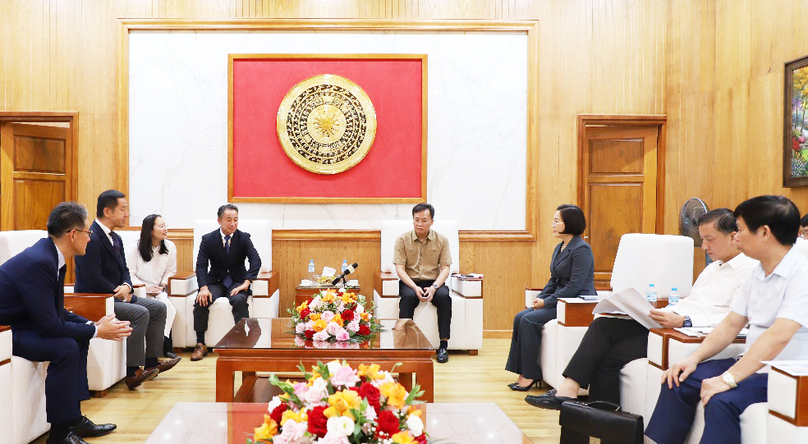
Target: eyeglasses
(557, 221)
(89, 232)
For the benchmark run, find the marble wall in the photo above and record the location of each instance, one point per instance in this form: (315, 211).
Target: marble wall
(477, 111)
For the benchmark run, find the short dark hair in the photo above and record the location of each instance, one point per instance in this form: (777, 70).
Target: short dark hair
(225, 207)
(144, 245)
(65, 217)
(804, 221)
(574, 219)
(724, 220)
(107, 199)
(424, 206)
(778, 212)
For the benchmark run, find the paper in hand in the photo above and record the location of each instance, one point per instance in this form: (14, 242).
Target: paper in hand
(630, 302)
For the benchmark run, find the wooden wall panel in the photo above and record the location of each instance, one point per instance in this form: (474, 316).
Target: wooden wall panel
(594, 57)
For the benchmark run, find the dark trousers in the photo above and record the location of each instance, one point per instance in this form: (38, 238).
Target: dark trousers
(441, 300)
(66, 383)
(676, 408)
(523, 359)
(607, 346)
(238, 303)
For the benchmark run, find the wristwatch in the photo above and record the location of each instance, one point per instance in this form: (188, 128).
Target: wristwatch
(729, 380)
(435, 286)
(687, 322)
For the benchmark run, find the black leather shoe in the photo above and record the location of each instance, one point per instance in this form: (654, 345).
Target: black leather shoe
(168, 348)
(442, 357)
(521, 388)
(71, 438)
(88, 429)
(549, 402)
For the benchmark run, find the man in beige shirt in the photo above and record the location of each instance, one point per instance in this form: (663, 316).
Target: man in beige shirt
(422, 261)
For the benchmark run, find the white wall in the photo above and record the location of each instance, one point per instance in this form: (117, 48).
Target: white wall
(477, 139)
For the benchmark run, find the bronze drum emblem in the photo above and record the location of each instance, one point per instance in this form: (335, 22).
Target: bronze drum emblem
(326, 124)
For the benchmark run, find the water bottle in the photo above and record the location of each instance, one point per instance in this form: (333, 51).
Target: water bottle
(344, 266)
(673, 299)
(650, 294)
(311, 271)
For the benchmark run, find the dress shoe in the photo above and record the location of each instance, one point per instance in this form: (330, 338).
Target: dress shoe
(442, 357)
(200, 351)
(88, 429)
(71, 438)
(165, 366)
(140, 377)
(522, 388)
(549, 402)
(168, 348)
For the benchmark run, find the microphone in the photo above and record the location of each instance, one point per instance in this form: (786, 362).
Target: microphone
(349, 270)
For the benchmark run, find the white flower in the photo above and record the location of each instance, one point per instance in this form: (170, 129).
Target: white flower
(316, 303)
(359, 309)
(333, 367)
(319, 384)
(415, 425)
(276, 401)
(300, 328)
(340, 424)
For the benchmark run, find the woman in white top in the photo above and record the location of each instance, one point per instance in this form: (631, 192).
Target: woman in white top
(151, 261)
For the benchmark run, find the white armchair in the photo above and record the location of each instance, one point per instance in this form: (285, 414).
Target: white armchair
(262, 304)
(642, 259)
(466, 293)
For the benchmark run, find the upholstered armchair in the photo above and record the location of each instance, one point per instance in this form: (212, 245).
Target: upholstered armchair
(263, 303)
(642, 259)
(466, 292)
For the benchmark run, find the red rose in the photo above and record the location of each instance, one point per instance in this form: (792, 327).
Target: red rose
(309, 334)
(304, 313)
(347, 315)
(421, 439)
(388, 423)
(364, 330)
(317, 421)
(277, 414)
(371, 393)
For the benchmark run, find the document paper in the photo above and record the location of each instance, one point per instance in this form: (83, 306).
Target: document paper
(629, 302)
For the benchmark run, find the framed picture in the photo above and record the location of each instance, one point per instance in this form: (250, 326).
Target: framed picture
(795, 124)
(294, 120)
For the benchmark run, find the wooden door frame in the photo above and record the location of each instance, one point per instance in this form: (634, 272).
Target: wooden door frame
(656, 120)
(72, 119)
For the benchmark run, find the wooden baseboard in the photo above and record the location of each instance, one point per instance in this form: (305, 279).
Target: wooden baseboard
(497, 334)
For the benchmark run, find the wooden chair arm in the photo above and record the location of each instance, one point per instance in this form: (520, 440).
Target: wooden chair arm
(92, 306)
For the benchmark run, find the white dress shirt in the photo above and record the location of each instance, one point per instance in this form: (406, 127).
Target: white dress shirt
(714, 290)
(157, 270)
(782, 294)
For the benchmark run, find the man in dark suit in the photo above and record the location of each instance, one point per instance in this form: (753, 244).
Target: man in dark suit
(220, 272)
(103, 270)
(32, 303)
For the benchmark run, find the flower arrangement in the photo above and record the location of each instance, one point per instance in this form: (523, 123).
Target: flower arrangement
(334, 315)
(340, 405)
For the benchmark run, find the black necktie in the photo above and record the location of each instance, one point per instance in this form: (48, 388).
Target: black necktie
(228, 281)
(227, 244)
(60, 291)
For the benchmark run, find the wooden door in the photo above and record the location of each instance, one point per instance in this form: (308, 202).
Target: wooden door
(618, 187)
(36, 173)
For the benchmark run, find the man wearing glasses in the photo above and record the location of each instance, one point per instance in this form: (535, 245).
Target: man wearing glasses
(32, 303)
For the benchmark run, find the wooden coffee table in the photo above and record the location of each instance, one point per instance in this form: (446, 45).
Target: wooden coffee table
(268, 345)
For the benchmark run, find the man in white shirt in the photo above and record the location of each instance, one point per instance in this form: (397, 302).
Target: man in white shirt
(611, 342)
(773, 301)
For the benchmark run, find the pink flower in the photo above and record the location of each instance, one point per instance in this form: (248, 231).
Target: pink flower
(321, 336)
(300, 389)
(334, 438)
(344, 377)
(300, 328)
(291, 432)
(342, 335)
(353, 326)
(327, 315)
(333, 328)
(300, 342)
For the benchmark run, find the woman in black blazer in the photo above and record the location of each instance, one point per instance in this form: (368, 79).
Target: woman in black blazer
(572, 273)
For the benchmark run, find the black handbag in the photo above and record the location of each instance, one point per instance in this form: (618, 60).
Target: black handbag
(598, 422)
